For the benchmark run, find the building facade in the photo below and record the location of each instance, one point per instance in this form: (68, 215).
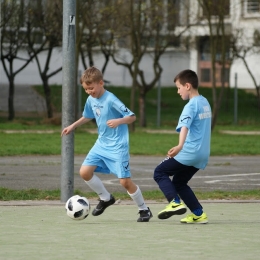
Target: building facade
(242, 24)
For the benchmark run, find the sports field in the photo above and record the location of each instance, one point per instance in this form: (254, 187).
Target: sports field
(45, 232)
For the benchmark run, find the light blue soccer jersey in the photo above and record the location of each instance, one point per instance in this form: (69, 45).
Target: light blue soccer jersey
(111, 141)
(196, 116)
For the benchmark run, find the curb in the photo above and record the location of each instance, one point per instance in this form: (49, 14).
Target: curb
(95, 202)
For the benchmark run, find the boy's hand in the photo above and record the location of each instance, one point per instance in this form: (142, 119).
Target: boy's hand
(113, 123)
(67, 130)
(174, 151)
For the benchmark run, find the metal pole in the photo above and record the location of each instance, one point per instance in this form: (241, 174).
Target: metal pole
(79, 95)
(159, 103)
(235, 100)
(68, 93)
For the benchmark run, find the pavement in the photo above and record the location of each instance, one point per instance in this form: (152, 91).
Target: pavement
(228, 173)
(46, 233)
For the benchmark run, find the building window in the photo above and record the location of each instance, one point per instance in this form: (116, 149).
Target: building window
(173, 10)
(205, 75)
(177, 13)
(257, 38)
(252, 6)
(216, 8)
(226, 75)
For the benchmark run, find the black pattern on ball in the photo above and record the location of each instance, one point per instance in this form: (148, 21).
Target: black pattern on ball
(70, 206)
(77, 207)
(82, 202)
(78, 213)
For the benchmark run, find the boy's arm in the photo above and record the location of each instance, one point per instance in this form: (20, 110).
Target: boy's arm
(113, 123)
(76, 124)
(182, 137)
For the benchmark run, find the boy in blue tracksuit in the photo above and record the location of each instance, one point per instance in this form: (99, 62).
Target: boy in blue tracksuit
(189, 155)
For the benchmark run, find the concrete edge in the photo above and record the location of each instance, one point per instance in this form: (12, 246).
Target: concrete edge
(94, 202)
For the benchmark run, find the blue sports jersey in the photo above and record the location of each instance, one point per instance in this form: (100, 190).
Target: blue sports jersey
(196, 116)
(111, 141)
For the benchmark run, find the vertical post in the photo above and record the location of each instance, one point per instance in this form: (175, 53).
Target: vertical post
(79, 94)
(68, 96)
(235, 100)
(159, 103)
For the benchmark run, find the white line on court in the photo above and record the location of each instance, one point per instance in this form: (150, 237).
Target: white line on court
(227, 175)
(141, 169)
(115, 181)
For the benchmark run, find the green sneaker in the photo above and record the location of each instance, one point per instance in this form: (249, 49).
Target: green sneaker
(172, 209)
(193, 219)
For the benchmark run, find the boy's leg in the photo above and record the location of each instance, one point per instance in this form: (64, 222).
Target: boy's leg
(87, 174)
(106, 199)
(180, 181)
(162, 175)
(137, 196)
(119, 165)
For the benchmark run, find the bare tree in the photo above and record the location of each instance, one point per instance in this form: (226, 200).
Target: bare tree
(14, 45)
(242, 48)
(214, 12)
(93, 35)
(5, 9)
(143, 30)
(44, 34)
(95, 31)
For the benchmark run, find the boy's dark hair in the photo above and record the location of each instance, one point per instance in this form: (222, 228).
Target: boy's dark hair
(187, 76)
(91, 75)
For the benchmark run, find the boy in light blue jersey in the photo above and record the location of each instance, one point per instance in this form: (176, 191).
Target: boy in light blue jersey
(190, 155)
(110, 153)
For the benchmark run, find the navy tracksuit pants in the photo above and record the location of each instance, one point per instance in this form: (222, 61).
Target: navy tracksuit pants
(178, 184)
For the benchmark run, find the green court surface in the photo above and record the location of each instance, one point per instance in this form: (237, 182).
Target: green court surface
(45, 232)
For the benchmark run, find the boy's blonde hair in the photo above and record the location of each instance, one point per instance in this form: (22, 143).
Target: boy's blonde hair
(91, 75)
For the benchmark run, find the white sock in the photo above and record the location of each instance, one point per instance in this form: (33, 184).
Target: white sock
(137, 197)
(97, 186)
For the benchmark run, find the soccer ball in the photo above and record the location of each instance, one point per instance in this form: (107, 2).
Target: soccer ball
(77, 207)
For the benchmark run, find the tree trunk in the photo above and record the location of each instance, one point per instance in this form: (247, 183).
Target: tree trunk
(133, 91)
(11, 112)
(214, 95)
(253, 78)
(47, 92)
(142, 118)
(258, 96)
(132, 106)
(90, 57)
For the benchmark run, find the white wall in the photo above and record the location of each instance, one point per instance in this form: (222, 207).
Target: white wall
(243, 78)
(172, 63)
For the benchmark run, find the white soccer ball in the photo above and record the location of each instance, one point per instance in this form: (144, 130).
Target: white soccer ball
(77, 207)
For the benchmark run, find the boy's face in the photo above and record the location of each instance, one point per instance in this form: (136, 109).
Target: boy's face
(183, 90)
(95, 89)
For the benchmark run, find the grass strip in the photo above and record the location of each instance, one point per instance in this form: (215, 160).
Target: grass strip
(35, 194)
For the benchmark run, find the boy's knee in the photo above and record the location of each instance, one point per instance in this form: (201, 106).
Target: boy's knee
(82, 173)
(157, 174)
(129, 185)
(126, 183)
(85, 173)
(179, 185)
